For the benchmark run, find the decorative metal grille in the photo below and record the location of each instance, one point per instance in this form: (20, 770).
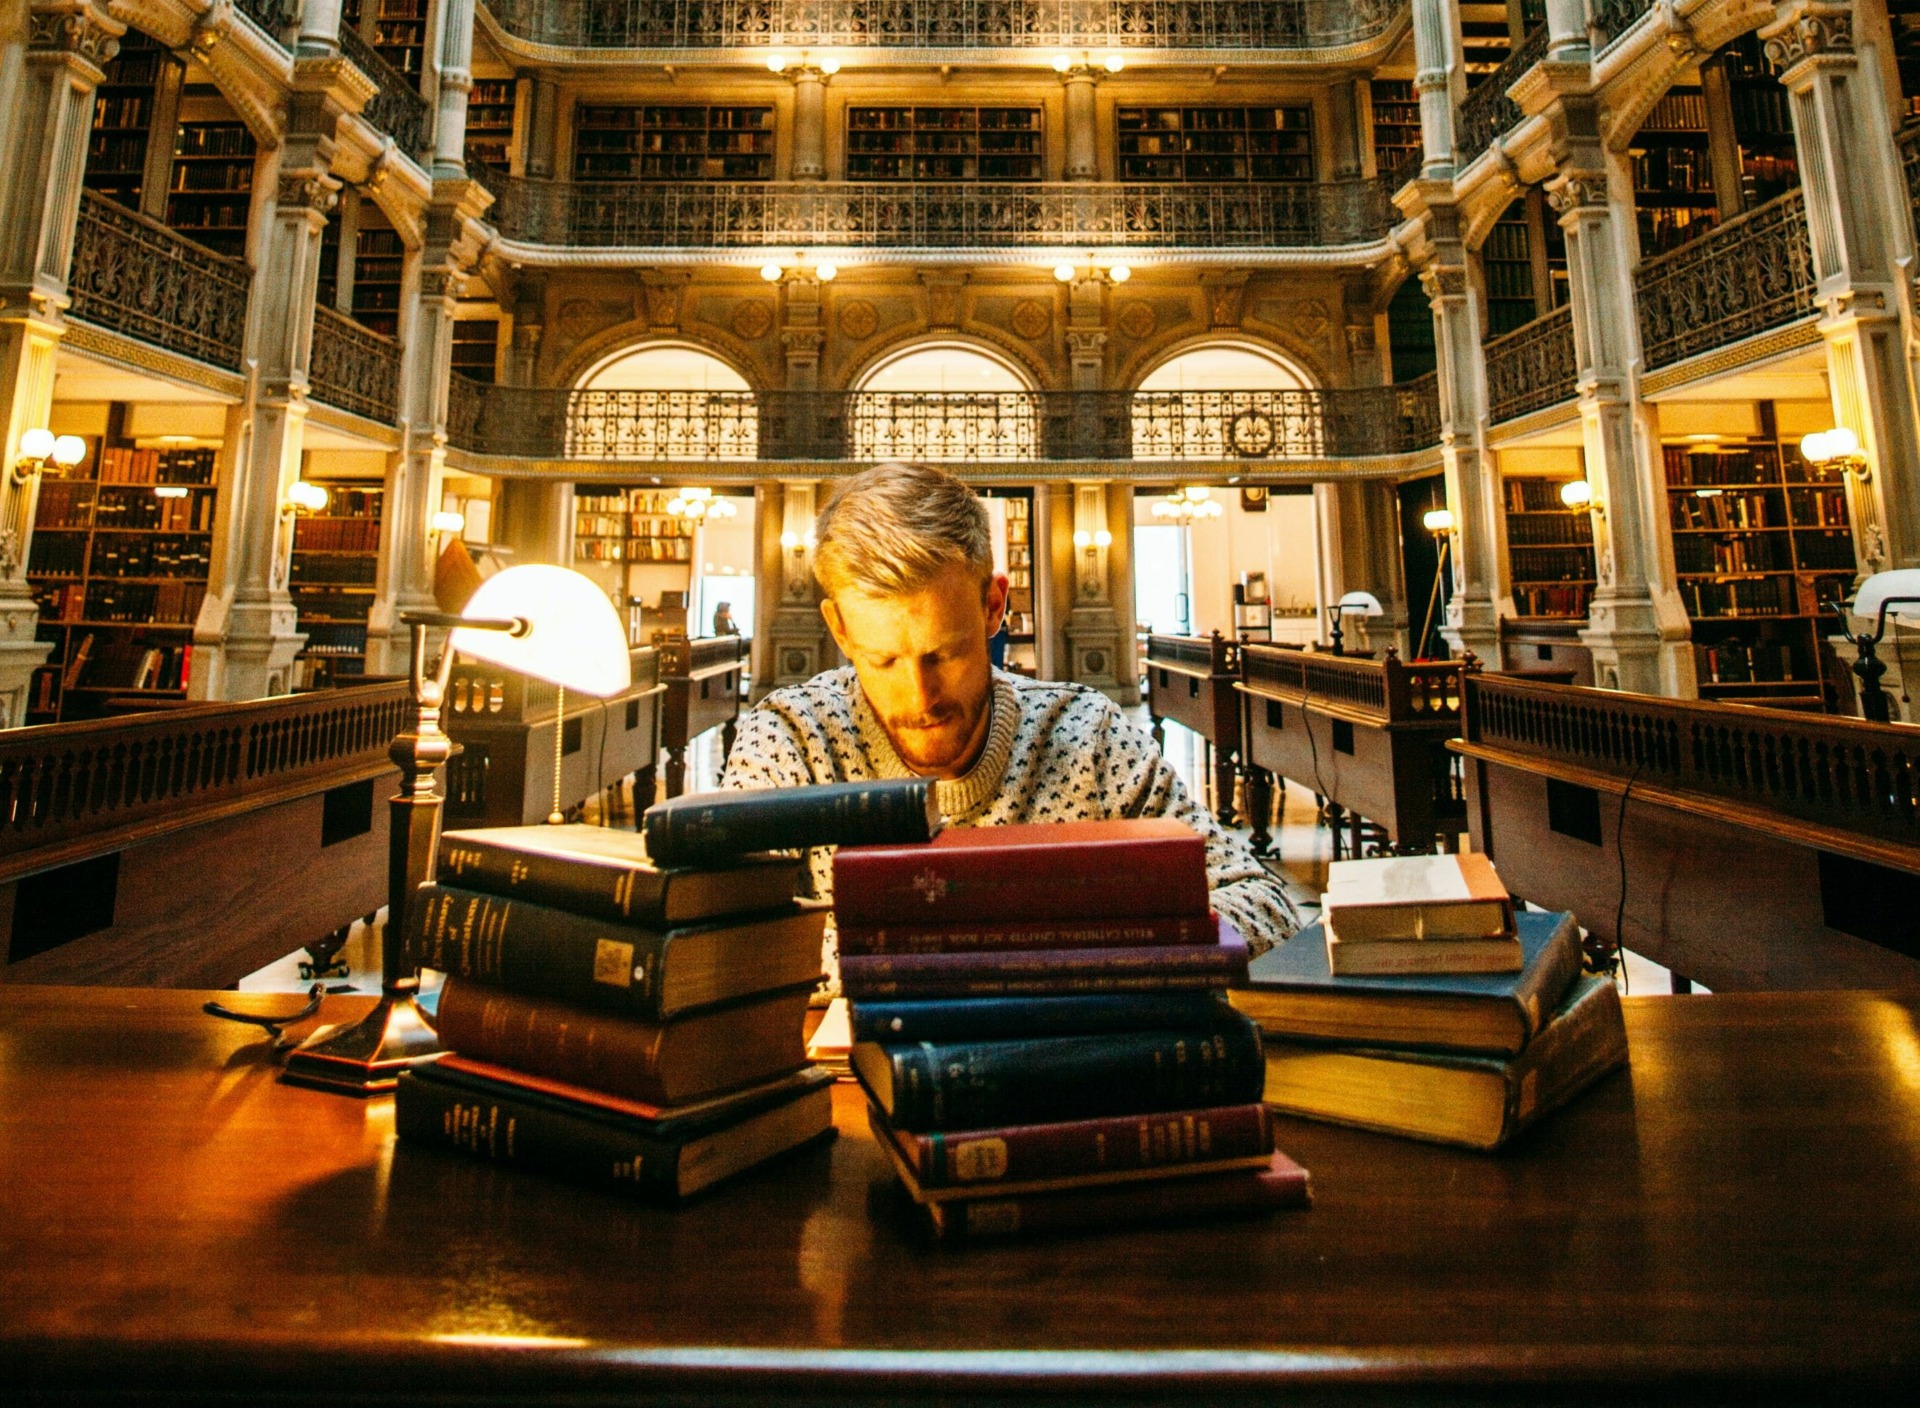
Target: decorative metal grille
(275, 17)
(1532, 367)
(1753, 273)
(713, 215)
(1909, 144)
(1488, 112)
(135, 276)
(947, 24)
(353, 368)
(951, 427)
(1609, 19)
(1408, 169)
(397, 109)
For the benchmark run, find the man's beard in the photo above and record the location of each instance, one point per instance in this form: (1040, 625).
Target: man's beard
(956, 726)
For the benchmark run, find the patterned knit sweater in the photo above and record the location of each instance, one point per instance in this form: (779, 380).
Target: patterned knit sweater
(1054, 752)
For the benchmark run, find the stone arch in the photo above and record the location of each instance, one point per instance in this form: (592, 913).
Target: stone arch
(1225, 398)
(923, 343)
(663, 399)
(944, 399)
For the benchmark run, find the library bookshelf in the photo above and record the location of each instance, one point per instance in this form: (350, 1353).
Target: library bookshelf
(490, 108)
(123, 118)
(1216, 144)
(331, 576)
(1021, 644)
(1549, 549)
(211, 188)
(1396, 123)
(651, 142)
(945, 144)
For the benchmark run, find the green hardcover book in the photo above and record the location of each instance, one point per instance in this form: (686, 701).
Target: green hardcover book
(1447, 1097)
(648, 973)
(605, 873)
(1291, 993)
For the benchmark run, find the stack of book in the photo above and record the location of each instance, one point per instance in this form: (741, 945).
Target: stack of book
(1458, 1058)
(1039, 1029)
(610, 1021)
(1418, 914)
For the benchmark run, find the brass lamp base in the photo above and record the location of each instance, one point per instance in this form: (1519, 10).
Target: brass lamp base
(367, 1057)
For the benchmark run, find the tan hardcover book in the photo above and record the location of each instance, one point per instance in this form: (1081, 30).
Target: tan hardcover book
(1416, 897)
(1384, 958)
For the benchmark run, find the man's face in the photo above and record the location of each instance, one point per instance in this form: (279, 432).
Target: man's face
(922, 662)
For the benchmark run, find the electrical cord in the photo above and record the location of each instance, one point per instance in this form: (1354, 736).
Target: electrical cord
(1615, 966)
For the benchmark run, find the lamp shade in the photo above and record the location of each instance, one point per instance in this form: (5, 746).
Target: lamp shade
(1883, 586)
(572, 636)
(1359, 604)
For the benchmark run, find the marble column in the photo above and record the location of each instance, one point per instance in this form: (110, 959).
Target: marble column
(1083, 136)
(46, 111)
(454, 83)
(543, 126)
(1096, 655)
(1439, 79)
(809, 123)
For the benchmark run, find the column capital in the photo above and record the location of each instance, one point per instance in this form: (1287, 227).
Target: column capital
(1577, 189)
(312, 190)
(76, 30)
(1805, 31)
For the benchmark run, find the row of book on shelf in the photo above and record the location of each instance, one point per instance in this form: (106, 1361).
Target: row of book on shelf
(336, 534)
(120, 662)
(159, 603)
(1049, 1025)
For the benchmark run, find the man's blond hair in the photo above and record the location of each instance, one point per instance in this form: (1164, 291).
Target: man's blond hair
(892, 529)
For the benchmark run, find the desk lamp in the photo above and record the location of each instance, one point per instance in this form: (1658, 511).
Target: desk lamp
(1877, 594)
(548, 623)
(1356, 603)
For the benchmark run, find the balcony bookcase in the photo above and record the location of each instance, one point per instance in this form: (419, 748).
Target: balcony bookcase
(123, 117)
(1673, 172)
(331, 576)
(1225, 144)
(476, 349)
(945, 144)
(1396, 124)
(1549, 549)
(378, 255)
(212, 185)
(490, 122)
(686, 143)
(119, 574)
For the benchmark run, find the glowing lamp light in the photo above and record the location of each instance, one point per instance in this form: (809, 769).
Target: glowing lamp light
(829, 67)
(1062, 62)
(1103, 539)
(1063, 272)
(1119, 273)
(1576, 493)
(68, 450)
(310, 497)
(778, 63)
(1360, 604)
(1113, 63)
(826, 273)
(1438, 520)
(1827, 446)
(1902, 584)
(1082, 539)
(568, 632)
(447, 521)
(36, 444)
(771, 273)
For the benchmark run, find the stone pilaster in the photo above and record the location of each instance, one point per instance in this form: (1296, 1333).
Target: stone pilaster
(1083, 134)
(809, 122)
(53, 69)
(1439, 79)
(319, 28)
(1094, 647)
(790, 640)
(543, 126)
(1861, 229)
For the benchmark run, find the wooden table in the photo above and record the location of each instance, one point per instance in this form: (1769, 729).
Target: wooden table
(1738, 1216)
(1191, 680)
(702, 678)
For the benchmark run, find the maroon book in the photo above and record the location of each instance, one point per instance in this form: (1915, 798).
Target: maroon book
(1282, 1184)
(982, 1158)
(1001, 936)
(1079, 870)
(1085, 970)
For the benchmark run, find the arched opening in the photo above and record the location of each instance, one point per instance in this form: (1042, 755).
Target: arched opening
(663, 402)
(1226, 401)
(947, 401)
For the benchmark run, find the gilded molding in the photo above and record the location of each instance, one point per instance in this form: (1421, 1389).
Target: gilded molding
(134, 355)
(1742, 356)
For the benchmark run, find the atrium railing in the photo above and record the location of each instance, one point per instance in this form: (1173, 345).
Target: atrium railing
(1241, 427)
(1532, 367)
(1609, 19)
(1909, 144)
(1752, 273)
(275, 17)
(135, 276)
(1487, 111)
(742, 215)
(353, 368)
(947, 24)
(397, 109)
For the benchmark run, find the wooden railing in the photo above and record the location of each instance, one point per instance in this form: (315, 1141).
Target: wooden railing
(135, 276)
(98, 785)
(1392, 690)
(1206, 655)
(1532, 367)
(1751, 273)
(694, 657)
(1856, 776)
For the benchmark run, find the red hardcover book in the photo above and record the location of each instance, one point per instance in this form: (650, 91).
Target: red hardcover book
(983, 1159)
(1145, 869)
(1004, 936)
(1282, 1184)
(1182, 967)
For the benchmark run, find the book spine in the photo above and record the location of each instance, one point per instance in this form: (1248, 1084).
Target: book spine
(714, 827)
(1549, 977)
(977, 1085)
(1154, 877)
(1027, 1153)
(1587, 1039)
(603, 891)
(503, 1130)
(986, 1019)
(553, 1039)
(1125, 1205)
(1069, 970)
(531, 949)
(863, 939)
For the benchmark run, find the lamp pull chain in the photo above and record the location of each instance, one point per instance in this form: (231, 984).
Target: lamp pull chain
(559, 733)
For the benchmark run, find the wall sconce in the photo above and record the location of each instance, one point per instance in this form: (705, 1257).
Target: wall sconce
(303, 496)
(772, 273)
(1066, 63)
(1838, 448)
(780, 63)
(1091, 541)
(447, 521)
(39, 446)
(1578, 493)
(826, 273)
(797, 542)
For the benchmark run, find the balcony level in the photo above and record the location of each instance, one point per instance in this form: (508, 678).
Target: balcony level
(1269, 33)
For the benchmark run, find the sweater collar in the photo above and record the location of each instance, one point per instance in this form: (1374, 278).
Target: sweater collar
(964, 795)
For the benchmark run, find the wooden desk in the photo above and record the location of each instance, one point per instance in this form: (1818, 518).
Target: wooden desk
(1738, 1215)
(1762, 849)
(1367, 735)
(703, 692)
(1191, 679)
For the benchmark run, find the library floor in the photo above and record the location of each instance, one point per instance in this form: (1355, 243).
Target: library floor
(1302, 850)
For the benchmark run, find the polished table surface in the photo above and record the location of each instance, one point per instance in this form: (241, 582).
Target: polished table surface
(1739, 1214)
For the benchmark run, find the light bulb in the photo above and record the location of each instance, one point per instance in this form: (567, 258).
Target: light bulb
(36, 444)
(771, 273)
(1062, 62)
(1119, 273)
(1063, 272)
(1113, 63)
(1438, 520)
(69, 450)
(1576, 493)
(778, 62)
(1842, 444)
(676, 506)
(1103, 539)
(311, 497)
(1196, 493)
(1082, 539)
(829, 67)
(826, 273)
(790, 541)
(447, 521)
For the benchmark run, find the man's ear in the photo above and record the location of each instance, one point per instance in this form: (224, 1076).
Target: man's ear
(836, 626)
(999, 588)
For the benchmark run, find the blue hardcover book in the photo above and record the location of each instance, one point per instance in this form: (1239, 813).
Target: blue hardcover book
(993, 1018)
(1290, 992)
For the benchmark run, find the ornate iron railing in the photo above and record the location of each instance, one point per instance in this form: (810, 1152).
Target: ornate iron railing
(275, 17)
(1532, 367)
(1752, 273)
(1909, 144)
(741, 215)
(135, 276)
(946, 24)
(1607, 20)
(955, 427)
(1845, 773)
(1487, 111)
(397, 109)
(1408, 169)
(353, 368)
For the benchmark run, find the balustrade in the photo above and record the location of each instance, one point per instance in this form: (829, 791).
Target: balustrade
(353, 368)
(878, 215)
(275, 17)
(397, 109)
(947, 24)
(135, 276)
(1610, 19)
(1488, 112)
(1532, 367)
(1752, 273)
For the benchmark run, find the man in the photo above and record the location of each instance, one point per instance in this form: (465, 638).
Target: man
(906, 562)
